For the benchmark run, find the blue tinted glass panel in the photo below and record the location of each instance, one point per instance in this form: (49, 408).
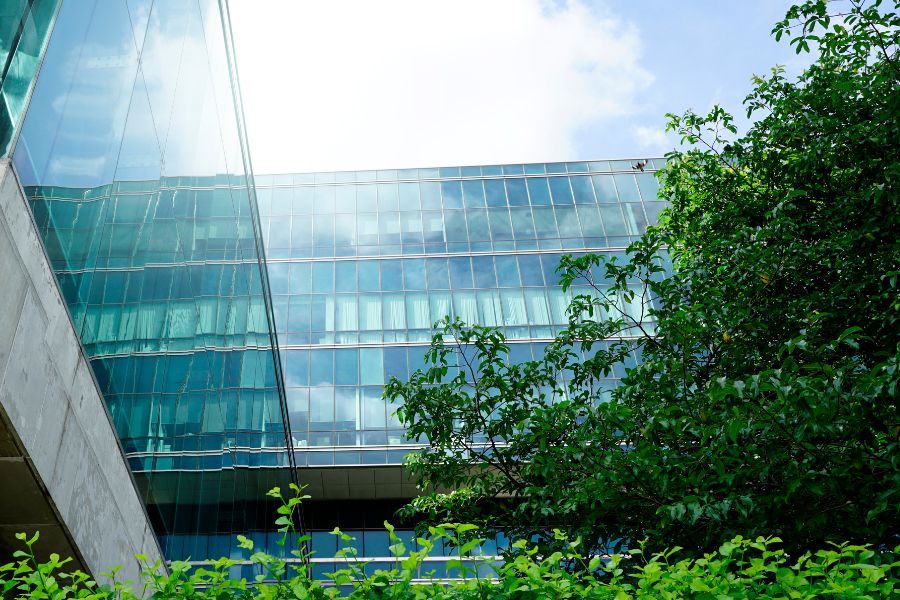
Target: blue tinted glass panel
(539, 191)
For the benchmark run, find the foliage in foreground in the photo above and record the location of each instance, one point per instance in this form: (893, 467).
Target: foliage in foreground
(740, 568)
(761, 388)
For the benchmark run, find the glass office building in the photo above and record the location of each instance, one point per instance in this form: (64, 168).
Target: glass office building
(241, 333)
(133, 156)
(361, 264)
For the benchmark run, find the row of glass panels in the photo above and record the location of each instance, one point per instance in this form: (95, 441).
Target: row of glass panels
(476, 230)
(334, 398)
(374, 317)
(419, 274)
(454, 194)
(603, 166)
(207, 305)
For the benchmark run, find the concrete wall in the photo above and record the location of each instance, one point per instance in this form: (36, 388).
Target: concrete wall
(62, 469)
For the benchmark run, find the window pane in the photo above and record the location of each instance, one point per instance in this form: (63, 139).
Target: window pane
(567, 220)
(515, 189)
(473, 192)
(346, 366)
(452, 193)
(414, 274)
(388, 197)
(368, 276)
(649, 186)
(495, 192)
(409, 196)
(438, 274)
(501, 229)
(590, 221)
(530, 269)
(612, 220)
(366, 198)
(431, 195)
(605, 188)
(507, 271)
(371, 368)
(460, 272)
(391, 275)
(478, 225)
(523, 226)
(483, 269)
(323, 275)
(545, 223)
(539, 191)
(584, 191)
(627, 186)
(455, 225)
(562, 193)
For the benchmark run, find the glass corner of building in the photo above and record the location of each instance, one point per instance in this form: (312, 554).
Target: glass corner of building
(25, 27)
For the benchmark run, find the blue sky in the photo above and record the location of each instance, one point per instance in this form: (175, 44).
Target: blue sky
(355, 85)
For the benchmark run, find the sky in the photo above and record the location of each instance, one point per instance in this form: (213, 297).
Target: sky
(362, 84)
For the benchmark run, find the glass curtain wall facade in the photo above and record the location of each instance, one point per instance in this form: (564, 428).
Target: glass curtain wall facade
(133, 157)
(361, 264)
(25, 26)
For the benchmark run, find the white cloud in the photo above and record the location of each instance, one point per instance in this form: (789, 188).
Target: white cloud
(650, 137)
(352, 84)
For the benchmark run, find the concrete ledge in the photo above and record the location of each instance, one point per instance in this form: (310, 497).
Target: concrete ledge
(62, 468)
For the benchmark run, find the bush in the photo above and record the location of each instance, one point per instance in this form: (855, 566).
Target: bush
(741, 568)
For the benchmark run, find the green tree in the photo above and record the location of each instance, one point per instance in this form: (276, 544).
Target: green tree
(764, 400)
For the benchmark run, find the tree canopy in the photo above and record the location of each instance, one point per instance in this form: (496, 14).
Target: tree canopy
(757, 325)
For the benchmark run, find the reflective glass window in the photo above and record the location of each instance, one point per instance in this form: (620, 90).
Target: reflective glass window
(437, 273)
(483, 269)
(452, 194)
(523, 225)
(605, 188)
(409, 196)
(518, 195)
(478, 225)
(530, 269)
(323, 276)
(455, 226)
(391, 275)
(346, 366)
(583, 190)
(613, 222)
(567, 221)
(368, 276)
(371, 367)
(649, 186)
(562, 192)
(634, 218)
(495, 192)
(300, 278)
(414, 274)
(501, 228)
(473, 193)
(345, 199)
(544, 222)
(589, 217)
(366, 198)
(278, 278)
(324, 199)
(507, 271)
(460, 272)
(430, 192)
(539, 191)
(627, 187)
(388, 197)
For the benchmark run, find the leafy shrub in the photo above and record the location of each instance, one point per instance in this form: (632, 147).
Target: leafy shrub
(741, 568)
